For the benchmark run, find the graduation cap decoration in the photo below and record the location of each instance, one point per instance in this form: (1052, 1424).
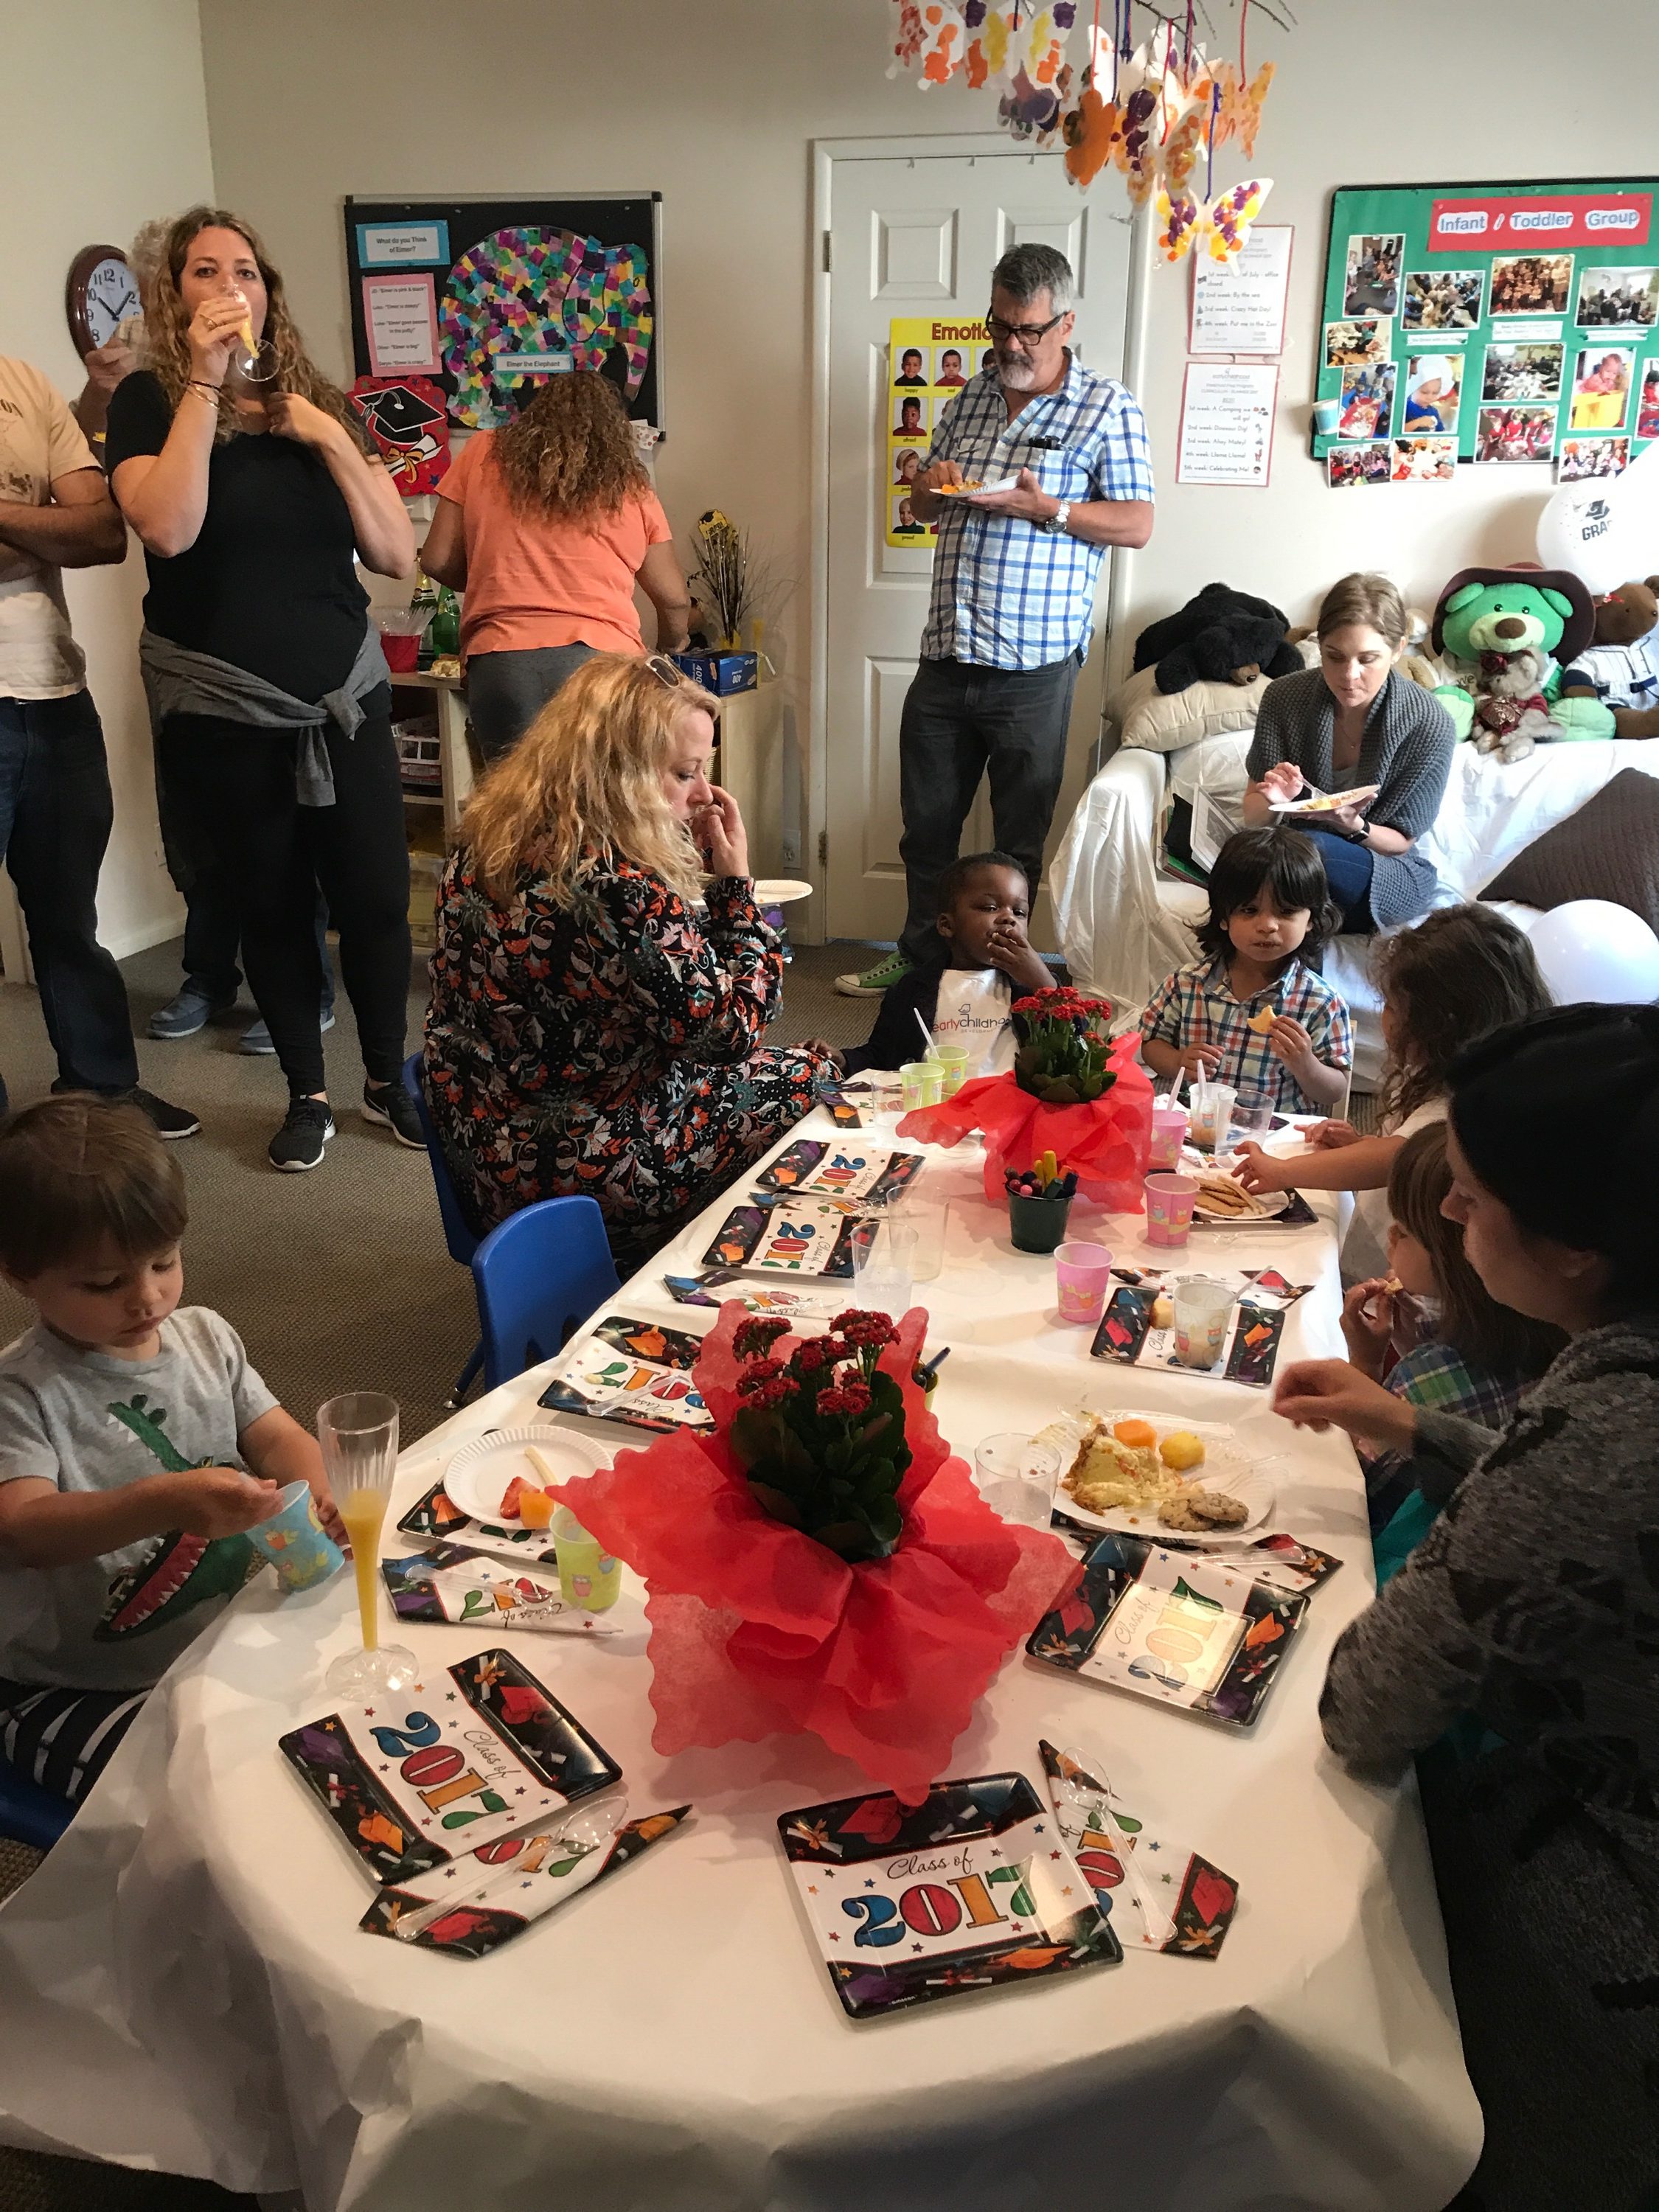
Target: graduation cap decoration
(405, 416)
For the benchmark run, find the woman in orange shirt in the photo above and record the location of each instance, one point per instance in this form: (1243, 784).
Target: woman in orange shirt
(547, 526)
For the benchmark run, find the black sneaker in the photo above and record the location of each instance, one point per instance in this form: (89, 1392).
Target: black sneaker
(297, 1145)
(172, 1122)
(392, 1106)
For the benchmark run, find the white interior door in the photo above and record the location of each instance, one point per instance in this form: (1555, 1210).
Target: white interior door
(907, 236)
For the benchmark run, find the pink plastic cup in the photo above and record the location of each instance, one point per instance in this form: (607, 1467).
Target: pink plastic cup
(1168, 1135)
(1081, 1272)
(1169, 1202)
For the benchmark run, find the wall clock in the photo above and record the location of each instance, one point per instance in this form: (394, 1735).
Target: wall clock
(101, 292)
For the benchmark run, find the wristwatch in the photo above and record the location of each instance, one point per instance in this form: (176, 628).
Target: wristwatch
(1058, 520)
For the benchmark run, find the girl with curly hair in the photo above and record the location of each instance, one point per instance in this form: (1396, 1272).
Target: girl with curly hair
(268, 691)
(548, 526)
(590, 1031)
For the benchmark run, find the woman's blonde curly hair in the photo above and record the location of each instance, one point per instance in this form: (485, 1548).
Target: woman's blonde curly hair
(167, 319)
(571, 452)
(582, 788)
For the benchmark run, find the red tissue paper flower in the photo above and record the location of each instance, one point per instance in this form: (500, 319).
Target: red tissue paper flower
(1105, 1143)
(757, 1628)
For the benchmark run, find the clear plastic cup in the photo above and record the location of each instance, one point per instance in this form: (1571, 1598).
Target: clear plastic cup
(1211, 1114)
(1169, 1202)
(926, 1218)
(884, 1267)
(1015, 1476)
(1201, 1309)
(1081, 1273)
(1252, 1118)
(887, 1103)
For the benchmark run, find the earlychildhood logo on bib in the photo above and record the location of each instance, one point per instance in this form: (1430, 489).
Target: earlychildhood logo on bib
(972, 1010)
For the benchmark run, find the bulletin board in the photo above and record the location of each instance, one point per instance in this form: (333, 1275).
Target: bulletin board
(487, 297)
(930, 358)
(1489, 324)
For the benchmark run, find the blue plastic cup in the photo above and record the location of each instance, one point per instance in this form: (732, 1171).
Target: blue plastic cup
(295, 1541)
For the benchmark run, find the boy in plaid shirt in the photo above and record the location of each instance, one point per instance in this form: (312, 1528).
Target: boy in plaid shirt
(1253, 1011)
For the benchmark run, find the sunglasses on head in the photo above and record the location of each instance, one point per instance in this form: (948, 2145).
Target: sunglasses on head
(665, 671)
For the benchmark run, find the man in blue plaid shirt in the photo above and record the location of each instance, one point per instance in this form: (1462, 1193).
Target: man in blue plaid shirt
(1013, 589)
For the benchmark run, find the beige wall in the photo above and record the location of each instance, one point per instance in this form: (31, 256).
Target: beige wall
(716, 103)
(105, 124)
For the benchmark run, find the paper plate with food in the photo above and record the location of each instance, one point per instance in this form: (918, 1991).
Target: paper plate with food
(1174, 1481)
(503, 1476)
(1223, 1200)
(1326, 802)
(975, 488)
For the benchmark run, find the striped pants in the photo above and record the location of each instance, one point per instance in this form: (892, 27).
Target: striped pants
(64, 1739)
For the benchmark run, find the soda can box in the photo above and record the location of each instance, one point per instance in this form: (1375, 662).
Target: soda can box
(722, 674)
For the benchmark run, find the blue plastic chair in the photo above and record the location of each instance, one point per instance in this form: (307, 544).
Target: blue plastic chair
(539, 1274)
(457, 1236)
(28, 1813)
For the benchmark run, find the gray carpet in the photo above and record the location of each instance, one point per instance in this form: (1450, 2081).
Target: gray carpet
(335, 1280)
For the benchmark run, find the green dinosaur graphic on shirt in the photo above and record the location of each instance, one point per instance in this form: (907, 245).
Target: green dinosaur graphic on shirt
(183, 1571)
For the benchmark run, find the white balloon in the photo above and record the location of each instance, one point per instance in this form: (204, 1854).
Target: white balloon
(1592, 948)
(1605, 531)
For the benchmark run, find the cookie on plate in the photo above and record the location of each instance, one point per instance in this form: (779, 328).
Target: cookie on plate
(1195, 1512)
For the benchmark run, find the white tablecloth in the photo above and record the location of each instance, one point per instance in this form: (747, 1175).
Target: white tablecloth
(183, 1984)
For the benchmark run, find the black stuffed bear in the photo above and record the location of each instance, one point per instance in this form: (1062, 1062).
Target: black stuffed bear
(1223, 636)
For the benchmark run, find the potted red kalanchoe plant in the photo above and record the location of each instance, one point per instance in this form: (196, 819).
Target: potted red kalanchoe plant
(1073, 1091)
(818, 1560)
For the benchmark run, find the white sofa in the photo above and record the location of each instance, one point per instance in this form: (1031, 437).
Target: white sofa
(1123, 926)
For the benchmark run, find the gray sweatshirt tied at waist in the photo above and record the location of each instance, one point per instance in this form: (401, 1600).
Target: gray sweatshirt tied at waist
(180, 682)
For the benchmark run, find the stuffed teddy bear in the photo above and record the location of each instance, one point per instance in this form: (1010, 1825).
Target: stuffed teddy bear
(1621, 669)
(1222, 636)
(1484, 620)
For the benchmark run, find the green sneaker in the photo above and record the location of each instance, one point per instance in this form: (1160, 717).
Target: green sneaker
(874, 980)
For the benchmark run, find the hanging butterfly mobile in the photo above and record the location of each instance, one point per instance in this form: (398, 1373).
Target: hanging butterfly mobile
(1154, 110)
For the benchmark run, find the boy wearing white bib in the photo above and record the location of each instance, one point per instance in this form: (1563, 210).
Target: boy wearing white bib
(986, 962)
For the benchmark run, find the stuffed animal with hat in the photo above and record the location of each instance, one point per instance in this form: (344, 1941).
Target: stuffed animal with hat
(1506, 633)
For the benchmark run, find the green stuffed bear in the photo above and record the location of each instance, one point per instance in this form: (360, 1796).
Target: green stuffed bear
(1513, 630)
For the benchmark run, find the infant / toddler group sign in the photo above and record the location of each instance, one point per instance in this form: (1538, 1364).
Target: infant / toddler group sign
(1494, 323)
(930, 358)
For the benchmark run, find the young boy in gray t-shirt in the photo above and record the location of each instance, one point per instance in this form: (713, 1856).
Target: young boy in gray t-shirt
(137, 1443)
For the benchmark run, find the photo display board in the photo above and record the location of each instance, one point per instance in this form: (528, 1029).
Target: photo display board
(486, 297)
(1490, 323)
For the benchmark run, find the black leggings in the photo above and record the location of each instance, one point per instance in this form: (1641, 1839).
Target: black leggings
(234, 786)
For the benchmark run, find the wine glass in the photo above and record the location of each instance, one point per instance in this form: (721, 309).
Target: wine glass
(358, 1433)
(254, 360)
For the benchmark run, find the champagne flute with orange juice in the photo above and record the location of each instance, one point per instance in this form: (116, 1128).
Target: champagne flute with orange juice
(358, 1434)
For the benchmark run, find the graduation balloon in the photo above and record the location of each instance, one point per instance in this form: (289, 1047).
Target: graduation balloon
(1606, 529)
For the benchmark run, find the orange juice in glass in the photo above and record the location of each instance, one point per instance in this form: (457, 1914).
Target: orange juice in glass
(358, 1434)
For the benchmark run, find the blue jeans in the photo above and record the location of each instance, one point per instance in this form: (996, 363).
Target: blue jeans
(56, 813)
(960, 721)
(1348, 872)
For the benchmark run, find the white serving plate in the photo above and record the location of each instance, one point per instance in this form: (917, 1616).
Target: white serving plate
(477, 1476)
(1231, 1463)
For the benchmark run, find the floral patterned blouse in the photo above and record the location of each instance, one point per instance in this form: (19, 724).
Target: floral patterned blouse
(611, 1048)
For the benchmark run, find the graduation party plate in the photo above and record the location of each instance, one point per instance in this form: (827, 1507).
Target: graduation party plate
(1202, 1635)
(971, 1889)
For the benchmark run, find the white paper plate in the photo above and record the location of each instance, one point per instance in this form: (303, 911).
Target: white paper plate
(1272, 1202)
(780, 890)
(1229, 1464)
(979, 491)
(477, 1476)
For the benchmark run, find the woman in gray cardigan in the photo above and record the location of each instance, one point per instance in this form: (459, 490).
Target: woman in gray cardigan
(1353, 721)
(1527, 1620)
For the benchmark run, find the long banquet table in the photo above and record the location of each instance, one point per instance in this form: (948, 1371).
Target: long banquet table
(183, 1984)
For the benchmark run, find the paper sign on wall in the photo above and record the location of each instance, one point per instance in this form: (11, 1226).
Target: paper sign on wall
(401, 314)
(1227, 423)
(1238, 304)
(929, 359)
(403, 244)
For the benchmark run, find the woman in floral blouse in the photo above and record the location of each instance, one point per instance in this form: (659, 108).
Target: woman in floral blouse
(590, 1031)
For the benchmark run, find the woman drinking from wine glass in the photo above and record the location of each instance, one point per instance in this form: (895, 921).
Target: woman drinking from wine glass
(252, 485)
